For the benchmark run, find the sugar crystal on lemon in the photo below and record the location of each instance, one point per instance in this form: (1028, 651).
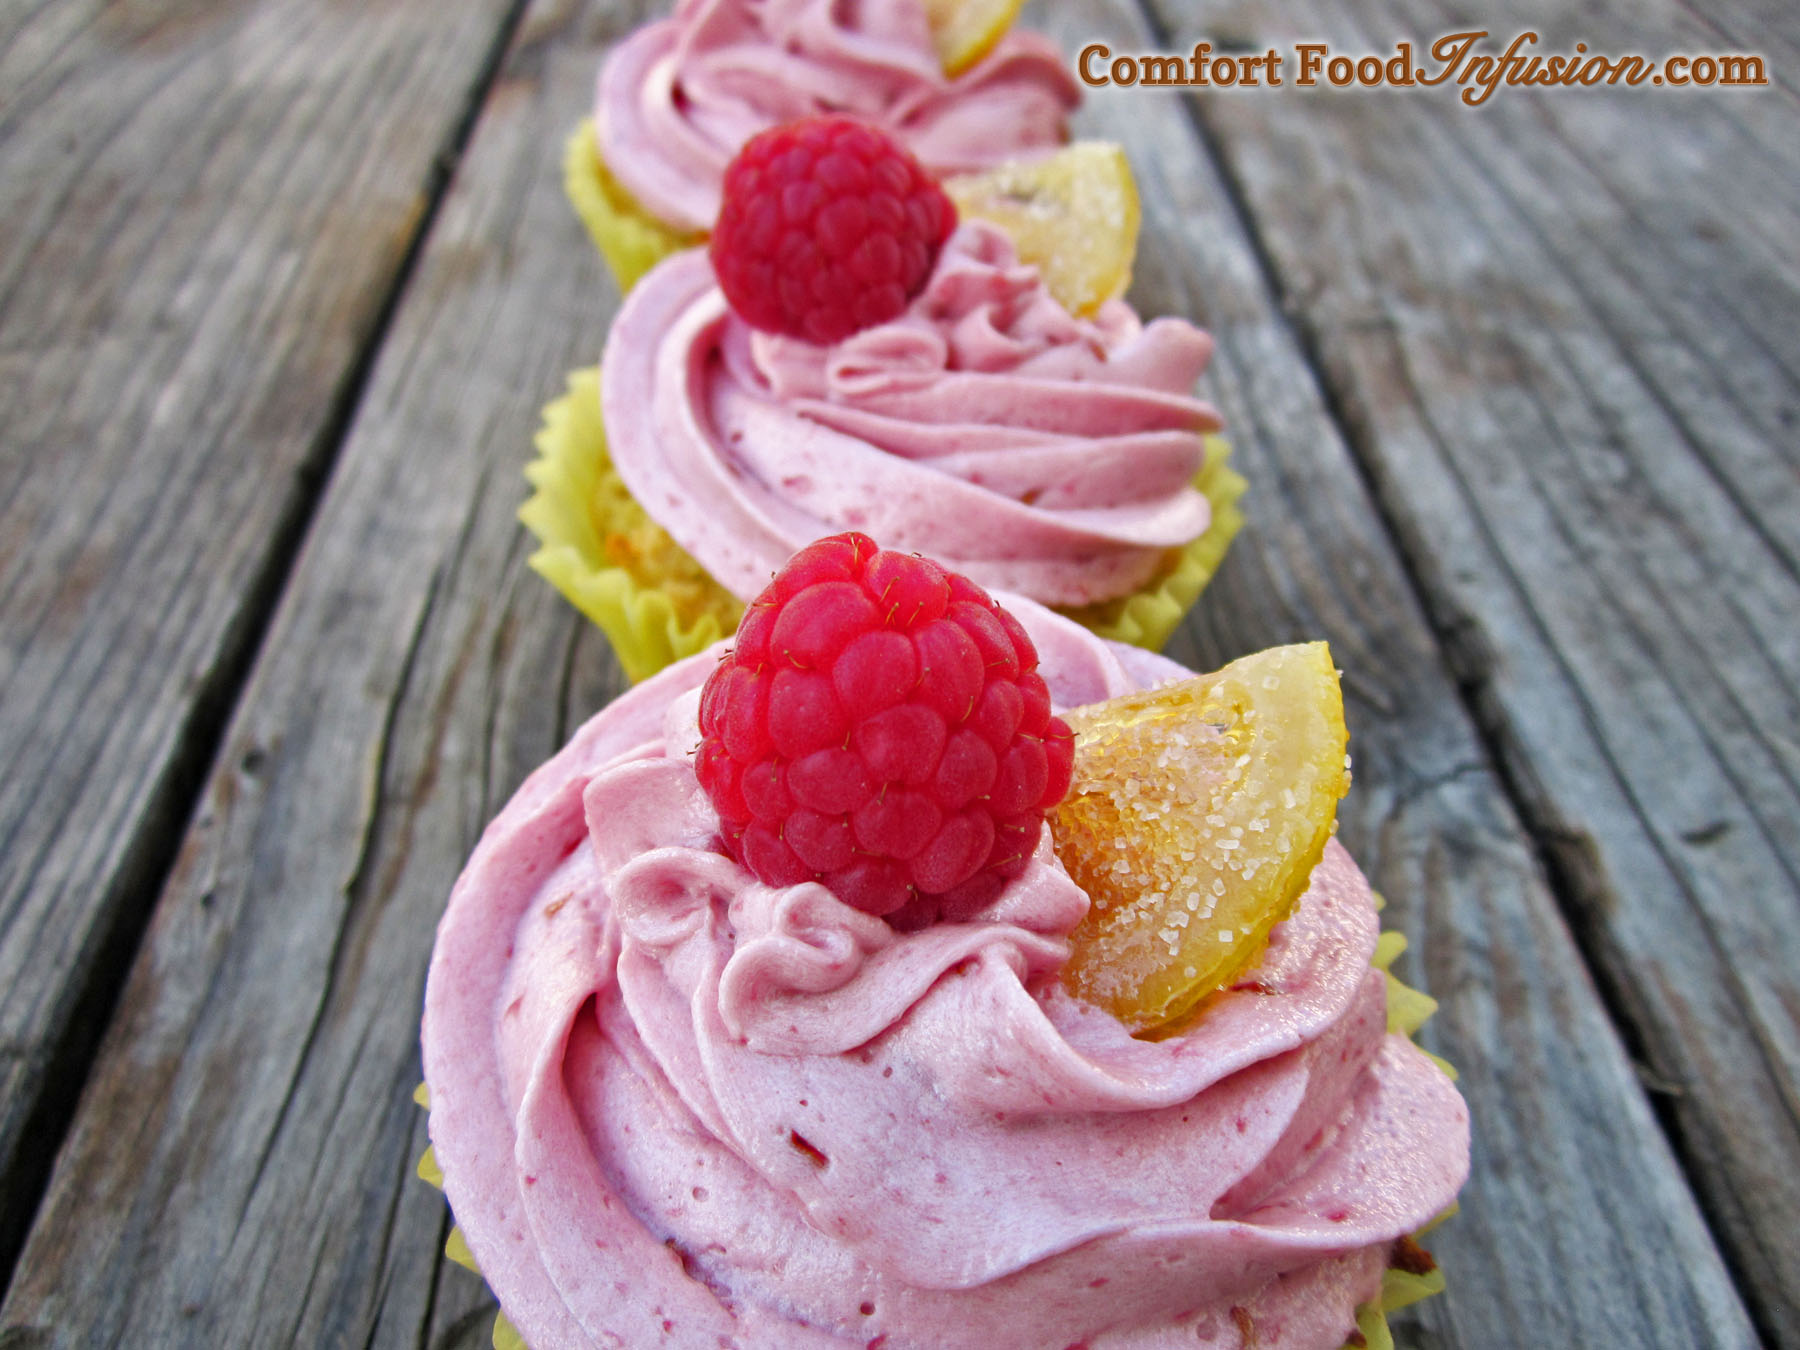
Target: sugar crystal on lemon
(1196, 815)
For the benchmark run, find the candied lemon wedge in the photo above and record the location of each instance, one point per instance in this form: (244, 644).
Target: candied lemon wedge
(964, 31)
(1074, 214)
(1196, 816)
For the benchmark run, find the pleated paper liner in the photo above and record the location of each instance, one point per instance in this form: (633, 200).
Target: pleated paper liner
(1414, 1275)
(1146, 617)
(604, 553)
(630, 239)
(657, 605)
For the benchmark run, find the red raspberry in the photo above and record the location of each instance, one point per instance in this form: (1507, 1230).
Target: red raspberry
(827, 227)
(881, 727)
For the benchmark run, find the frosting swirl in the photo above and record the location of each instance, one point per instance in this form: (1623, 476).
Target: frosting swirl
(678, 99)
(986, 427)
(675, 1106)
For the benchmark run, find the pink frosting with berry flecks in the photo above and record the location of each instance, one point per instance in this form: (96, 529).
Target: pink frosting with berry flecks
(677, 99)
(987, 427)
(674, 1106)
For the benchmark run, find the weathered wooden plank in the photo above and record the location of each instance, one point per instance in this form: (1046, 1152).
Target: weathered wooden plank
(204, 209)
(241, 1172)
(1561, 328)
(265, 1046)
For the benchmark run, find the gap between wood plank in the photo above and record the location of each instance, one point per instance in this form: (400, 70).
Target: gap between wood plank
(1551, 846)
(151, 857)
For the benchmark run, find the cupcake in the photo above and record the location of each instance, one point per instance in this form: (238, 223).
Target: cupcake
(973, 417)
(688, 1089)
(678, 98)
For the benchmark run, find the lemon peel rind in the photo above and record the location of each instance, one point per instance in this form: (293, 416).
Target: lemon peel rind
(1258, 760)
(957, 50)
(1012, 193)
(577, 504)
(630, 239)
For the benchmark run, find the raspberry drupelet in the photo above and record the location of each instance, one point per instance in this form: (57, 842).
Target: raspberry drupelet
(880, 727)
(828, 226)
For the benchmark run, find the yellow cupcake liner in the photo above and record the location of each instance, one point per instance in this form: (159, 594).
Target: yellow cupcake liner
(601, 550)
(1147, 616)
(630, 239)
(1407, 1010)
(506, 1336)
(657, 605)
(1399, 1289)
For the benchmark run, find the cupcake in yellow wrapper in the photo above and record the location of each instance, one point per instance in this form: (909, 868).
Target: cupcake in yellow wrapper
(660, 1118)
(615, 564)
(950, 78)
(1016, 420)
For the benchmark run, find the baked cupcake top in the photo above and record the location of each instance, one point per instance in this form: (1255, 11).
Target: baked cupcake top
(678, 98)
(1035, 451)
(675, 1104)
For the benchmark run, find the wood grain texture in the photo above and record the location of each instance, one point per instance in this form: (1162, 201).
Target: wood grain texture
(205, 207)
(241, 1173)
(1561, 329)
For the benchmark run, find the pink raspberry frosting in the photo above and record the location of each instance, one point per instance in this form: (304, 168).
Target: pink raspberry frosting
(674, 1106)
(987, 427)
(678, 99)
